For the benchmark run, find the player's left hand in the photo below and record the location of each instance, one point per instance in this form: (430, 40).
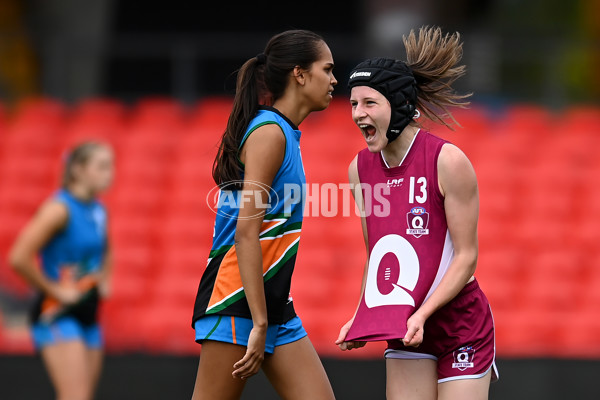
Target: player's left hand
(255, 354)
(414, 334)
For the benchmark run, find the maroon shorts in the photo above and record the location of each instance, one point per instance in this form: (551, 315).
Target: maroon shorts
(459, 336)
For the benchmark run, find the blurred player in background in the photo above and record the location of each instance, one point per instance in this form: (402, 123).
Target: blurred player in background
(244, 316)
(69, 233)
(418, 290)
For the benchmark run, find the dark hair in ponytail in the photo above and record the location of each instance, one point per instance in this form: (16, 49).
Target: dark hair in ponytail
(433, 58)
(262, 79)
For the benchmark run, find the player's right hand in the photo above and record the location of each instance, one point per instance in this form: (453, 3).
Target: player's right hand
(341, 340)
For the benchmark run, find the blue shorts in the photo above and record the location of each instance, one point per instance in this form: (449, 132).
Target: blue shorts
(66, 329)
(235, 330)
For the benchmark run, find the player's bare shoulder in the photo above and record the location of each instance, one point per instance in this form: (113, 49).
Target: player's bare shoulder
(455, 170)
(353, 170)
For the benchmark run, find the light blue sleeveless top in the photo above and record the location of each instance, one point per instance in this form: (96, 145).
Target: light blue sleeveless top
(83, 240)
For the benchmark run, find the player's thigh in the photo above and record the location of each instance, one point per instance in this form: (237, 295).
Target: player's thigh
(68, 367)
(95, 360)
(411, 379)
(296, 372)
(465, 389)
(213, 379)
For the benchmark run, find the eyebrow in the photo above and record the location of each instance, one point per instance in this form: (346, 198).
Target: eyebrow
(330, 65)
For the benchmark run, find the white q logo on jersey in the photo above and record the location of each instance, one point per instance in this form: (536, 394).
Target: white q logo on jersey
(407, 279)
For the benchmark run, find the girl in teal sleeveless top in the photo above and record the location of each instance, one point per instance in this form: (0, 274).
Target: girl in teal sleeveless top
(69, 233)
(243, 316)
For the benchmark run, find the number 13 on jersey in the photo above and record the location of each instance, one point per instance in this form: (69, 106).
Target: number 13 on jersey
(421, 185)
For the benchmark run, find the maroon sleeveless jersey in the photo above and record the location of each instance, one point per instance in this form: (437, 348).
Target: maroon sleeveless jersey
(409, 244)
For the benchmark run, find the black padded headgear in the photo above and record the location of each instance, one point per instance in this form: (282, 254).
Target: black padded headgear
(395, 81)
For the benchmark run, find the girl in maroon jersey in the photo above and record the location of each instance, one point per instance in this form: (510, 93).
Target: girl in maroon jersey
(419, 292)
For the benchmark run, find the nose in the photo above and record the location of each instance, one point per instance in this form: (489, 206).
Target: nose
(358, 112)
(333, 80)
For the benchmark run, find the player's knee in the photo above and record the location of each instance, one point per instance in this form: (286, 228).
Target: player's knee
(82, 390)
(74, 394)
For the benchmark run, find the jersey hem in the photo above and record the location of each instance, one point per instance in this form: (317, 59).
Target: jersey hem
(230, 313)
(407, 355)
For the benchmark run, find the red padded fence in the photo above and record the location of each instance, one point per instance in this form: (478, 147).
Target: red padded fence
(538, 174)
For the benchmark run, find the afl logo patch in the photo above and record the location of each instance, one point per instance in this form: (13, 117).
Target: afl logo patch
(418, 221)
(463, 358)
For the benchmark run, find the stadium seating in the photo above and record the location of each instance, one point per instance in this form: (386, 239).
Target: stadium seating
(537, 170)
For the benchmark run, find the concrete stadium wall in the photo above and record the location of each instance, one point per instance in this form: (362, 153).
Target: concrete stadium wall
(168, 377)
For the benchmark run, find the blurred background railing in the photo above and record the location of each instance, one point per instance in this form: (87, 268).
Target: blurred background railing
(533, 51)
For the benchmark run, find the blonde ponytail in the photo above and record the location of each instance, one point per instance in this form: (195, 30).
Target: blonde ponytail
(433, 58)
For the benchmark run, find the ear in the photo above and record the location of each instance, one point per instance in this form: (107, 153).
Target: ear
(77, 171)
(299, 74)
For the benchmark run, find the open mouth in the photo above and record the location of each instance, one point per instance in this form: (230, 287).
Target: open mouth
(367, 130)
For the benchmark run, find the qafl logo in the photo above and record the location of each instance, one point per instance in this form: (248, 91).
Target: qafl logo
(399, 281)
(463, 358)
(418, 221)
